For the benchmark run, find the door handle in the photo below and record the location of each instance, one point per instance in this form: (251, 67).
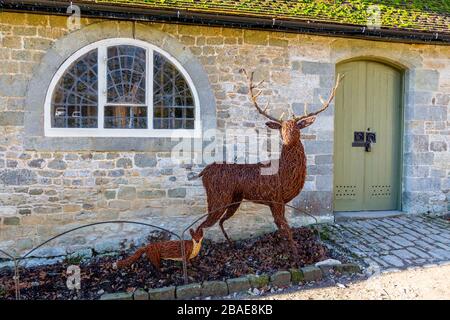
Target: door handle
(371, 137)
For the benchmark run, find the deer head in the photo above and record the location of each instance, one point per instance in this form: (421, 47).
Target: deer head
(289, 129)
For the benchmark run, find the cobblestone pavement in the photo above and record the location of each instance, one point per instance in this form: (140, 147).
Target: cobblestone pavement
(394, 243)
(416, 283)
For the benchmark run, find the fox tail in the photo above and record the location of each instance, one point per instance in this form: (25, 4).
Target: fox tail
(132, 259)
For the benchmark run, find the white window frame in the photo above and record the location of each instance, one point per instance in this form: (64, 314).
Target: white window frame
(102, 46)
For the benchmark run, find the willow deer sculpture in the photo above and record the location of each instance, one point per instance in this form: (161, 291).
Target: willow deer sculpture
(228, 184)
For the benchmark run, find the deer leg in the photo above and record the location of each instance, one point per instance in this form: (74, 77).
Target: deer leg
(217, 205)
(228, 214)
(212, 218)
(278, 212)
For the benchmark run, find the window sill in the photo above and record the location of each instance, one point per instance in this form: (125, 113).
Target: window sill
(124, 133)
(103, 144)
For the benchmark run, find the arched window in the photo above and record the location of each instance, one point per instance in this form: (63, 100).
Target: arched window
(122, 87)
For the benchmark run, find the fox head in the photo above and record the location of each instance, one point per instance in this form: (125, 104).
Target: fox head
(196, 236)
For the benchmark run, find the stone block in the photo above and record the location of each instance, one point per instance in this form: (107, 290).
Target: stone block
(166, 171)
(311, 273)
(348, 268)
(36, 192)
(241, 284)
(126, 193)
(124, 163)
(12, 86)
(151, 194)
(438, 146)
(255, 37)
(324, 183)
(24, 212)
(117, 296)
(214, 288)
(71, 208)
(426, 80)
(318, 147)
(315, 201)
(280, 279)
(276, 42)
(416, 171)
(317, 68)
(296, 275)
(37, 43)
(427, 113)
(258, 281)
(417, 143)
(143, 160)
(119, 204)
(116, 173)
(24, 244)
(296, 65)
(177, 193)
(422, 158)
(321, 170)
(188, 291)
(71, 157)
(422, 184)
(11, 221)
(18, 177)
(11, 163)
(166, 293)
(322, 159)
(57, 165)
(140, 294)
(110, 194)
(11, 118)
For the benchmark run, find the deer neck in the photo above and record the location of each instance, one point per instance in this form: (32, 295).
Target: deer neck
(292, 153)
(292, 169)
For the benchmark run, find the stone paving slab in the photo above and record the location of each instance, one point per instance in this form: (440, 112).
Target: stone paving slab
(396, 242)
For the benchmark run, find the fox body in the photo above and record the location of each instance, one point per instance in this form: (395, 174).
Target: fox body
(167, 250)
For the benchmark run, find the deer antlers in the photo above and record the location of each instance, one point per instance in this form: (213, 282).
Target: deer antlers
(325, 104)
(254, 96)
(263, 112)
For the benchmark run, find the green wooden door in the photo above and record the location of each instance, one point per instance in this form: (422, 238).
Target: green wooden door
(368, 101)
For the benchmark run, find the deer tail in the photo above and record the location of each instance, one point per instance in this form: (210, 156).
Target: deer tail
(132, 259)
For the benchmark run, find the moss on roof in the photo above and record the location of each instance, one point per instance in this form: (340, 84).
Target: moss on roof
(421, 15)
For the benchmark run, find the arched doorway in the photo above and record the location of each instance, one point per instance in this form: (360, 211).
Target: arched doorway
(367, 146)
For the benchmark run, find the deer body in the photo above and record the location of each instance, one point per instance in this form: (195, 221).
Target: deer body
(228, 184)
(245, 181)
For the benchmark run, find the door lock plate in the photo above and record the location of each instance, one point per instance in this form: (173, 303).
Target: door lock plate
(358, 139)
(364, 139)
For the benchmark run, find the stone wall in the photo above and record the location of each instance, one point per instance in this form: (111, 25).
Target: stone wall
(44, 192)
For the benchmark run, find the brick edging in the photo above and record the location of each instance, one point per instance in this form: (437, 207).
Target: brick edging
(234, 285)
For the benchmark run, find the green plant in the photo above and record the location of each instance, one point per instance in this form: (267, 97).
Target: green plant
(73, 259)
(2, 291)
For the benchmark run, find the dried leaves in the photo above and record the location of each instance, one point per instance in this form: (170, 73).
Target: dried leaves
(215, 261)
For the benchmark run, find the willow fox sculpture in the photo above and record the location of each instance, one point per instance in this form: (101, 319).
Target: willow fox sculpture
(228, 184)
(167, 250)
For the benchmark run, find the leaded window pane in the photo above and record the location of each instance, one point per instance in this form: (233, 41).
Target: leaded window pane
(125, 117)
(75, 102)
(75, 98)
(173, 103)
(126, 75)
